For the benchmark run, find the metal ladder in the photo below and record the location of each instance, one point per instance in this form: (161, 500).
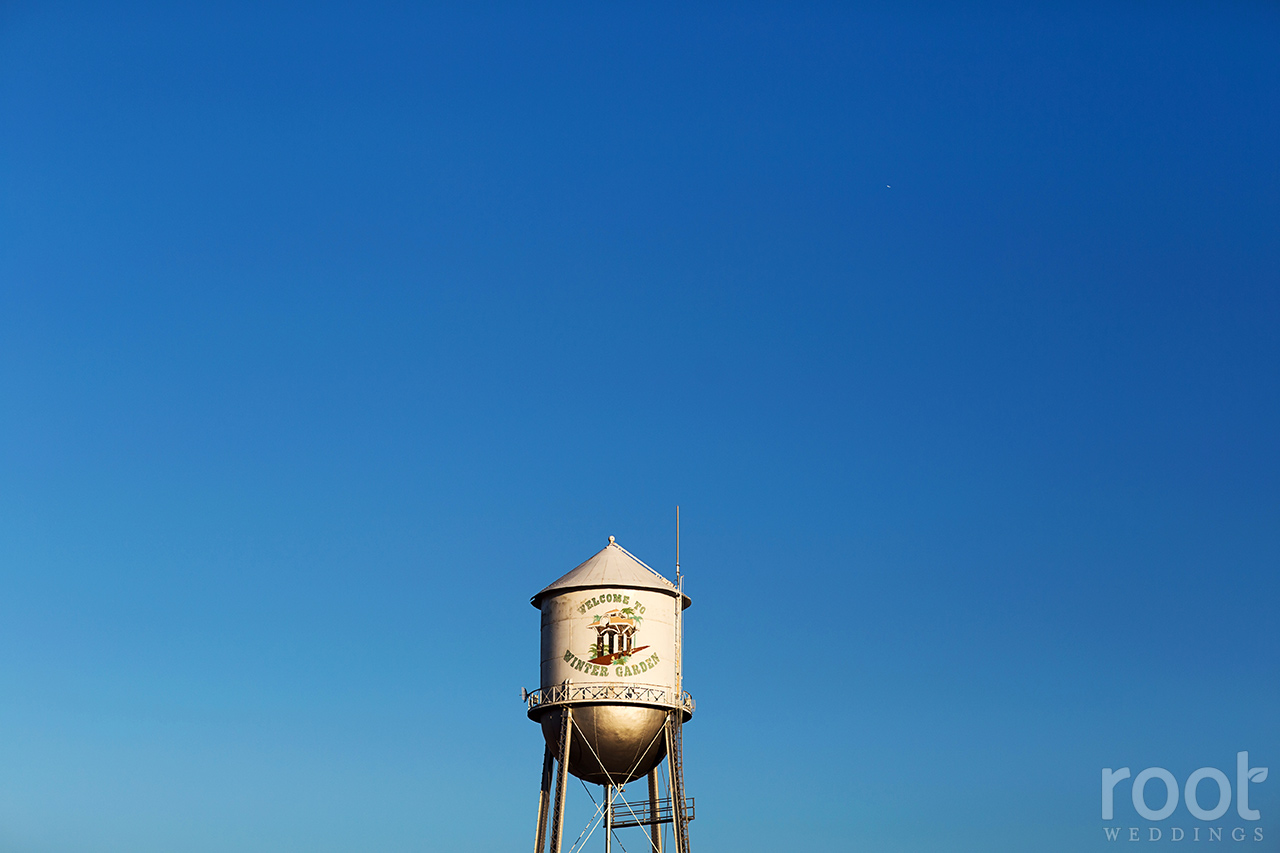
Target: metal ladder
(680, 808)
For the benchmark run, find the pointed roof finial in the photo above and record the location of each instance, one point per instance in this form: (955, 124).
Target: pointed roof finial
(610, 540)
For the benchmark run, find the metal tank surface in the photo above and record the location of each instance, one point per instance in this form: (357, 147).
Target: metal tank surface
(610, 649)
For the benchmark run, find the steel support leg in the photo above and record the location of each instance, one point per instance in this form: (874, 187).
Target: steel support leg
(655, 828)
(562, 778)
(544, 799)
(608, 818)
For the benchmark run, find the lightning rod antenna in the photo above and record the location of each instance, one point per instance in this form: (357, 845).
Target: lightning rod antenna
(677, 542)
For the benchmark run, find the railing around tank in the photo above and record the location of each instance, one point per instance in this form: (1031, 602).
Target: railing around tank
(569, 693)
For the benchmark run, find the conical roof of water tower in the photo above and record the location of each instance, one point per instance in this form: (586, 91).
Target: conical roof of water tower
(612, 566)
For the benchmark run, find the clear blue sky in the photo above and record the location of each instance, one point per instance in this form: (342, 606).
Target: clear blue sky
(329, 334)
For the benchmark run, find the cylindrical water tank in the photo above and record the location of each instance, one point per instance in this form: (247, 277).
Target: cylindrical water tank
(610, 650)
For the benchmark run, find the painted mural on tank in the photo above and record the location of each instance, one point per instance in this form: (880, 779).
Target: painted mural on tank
(612, 635)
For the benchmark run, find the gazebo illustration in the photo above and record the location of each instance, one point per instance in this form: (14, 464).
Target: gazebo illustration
(615, 636)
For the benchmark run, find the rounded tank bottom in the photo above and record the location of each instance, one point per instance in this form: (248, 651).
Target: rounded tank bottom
(615, 743)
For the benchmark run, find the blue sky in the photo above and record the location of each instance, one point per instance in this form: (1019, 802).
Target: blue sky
(331, 333)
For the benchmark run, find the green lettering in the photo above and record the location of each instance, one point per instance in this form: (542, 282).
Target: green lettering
(568, 655)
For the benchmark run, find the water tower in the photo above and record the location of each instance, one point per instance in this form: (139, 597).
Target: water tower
(611, 704)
